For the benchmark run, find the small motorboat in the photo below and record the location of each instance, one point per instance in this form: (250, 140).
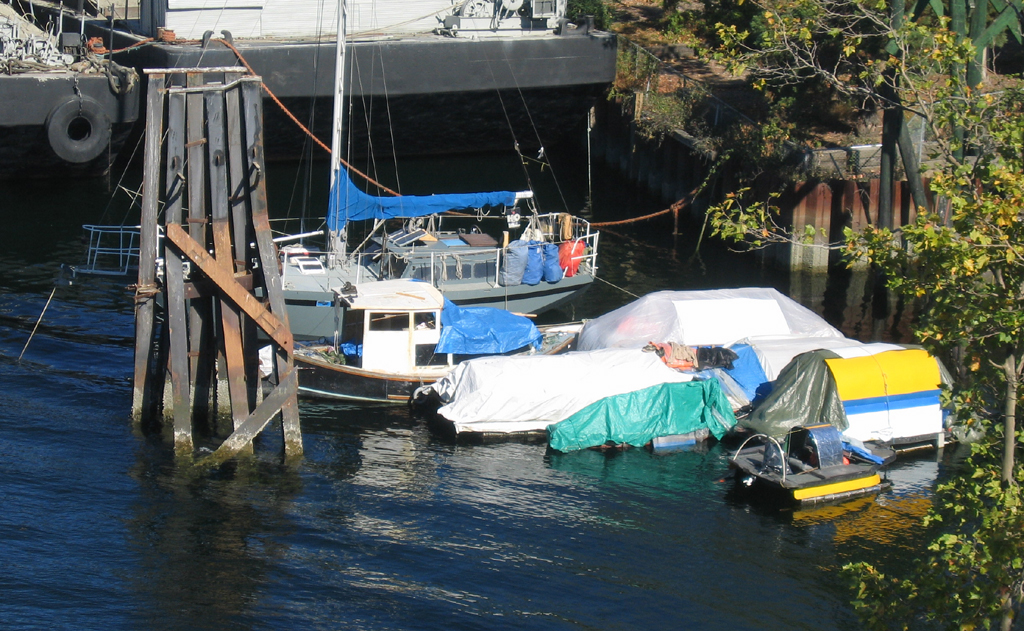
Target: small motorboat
(810, 464)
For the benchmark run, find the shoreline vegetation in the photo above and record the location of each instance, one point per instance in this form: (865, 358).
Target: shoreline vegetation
(935, 87)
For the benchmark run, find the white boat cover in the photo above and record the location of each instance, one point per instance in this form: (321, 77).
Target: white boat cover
(513, 394)
(775, 352)
(714, 317)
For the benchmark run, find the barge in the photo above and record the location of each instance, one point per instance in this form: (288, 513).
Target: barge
(426, 77)
(64, 110)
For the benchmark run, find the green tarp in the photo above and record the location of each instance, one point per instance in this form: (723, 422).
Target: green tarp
(803, 394)
(638, 417)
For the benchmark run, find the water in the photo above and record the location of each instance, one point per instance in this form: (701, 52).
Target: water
(382, 525)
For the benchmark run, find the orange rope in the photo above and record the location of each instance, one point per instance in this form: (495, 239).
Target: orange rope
(139, 43)
(633, 220)
(674, 208)
(303, 127)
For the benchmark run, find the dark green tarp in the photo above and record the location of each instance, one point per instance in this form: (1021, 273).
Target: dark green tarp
(638, 417)
(804, 394)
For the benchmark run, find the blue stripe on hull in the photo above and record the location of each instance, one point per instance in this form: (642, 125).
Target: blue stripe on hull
(894, 402)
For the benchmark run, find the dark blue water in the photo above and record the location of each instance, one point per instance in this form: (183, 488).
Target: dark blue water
(382, 525)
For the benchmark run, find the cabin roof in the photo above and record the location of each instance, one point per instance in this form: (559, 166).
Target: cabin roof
(400, 294)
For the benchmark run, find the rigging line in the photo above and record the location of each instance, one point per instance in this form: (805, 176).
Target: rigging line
(391, 126)
(533, 125)
(306, 157)
(120, 182)
(305, 129)
(409, 21)
(357, 75)
(511, 131)
(33, 333)
(199, 14)
(149, 41)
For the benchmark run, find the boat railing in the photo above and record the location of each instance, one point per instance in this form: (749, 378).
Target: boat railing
(766, 461)
(112, 250)
(482, 264)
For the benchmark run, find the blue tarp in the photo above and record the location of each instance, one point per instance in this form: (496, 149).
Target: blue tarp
(747, 370)
(348, 203)
(483, 330)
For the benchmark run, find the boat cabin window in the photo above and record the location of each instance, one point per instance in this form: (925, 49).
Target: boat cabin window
(425, 356)
(425, 320)
(389, 321)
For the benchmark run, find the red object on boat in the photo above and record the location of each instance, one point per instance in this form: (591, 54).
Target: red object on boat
(570, 254)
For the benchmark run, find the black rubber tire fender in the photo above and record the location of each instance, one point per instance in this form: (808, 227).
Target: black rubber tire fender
(78, 130)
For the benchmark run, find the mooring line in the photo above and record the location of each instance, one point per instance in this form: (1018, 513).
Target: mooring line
(616, 287)
(31, 335)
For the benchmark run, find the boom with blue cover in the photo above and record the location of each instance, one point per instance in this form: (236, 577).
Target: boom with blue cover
(348, 203)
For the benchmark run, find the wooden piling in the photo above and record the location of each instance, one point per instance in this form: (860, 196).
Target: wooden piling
(213, 158)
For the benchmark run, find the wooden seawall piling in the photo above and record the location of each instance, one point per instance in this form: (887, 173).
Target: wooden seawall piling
(221, 281)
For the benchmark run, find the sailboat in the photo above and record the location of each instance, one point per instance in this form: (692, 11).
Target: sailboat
(542, 262)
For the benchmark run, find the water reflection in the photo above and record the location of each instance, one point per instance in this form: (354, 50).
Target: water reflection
(206, 543)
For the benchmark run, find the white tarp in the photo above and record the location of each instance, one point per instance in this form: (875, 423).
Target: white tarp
(774, 353)
(528, 393)
(714, 317)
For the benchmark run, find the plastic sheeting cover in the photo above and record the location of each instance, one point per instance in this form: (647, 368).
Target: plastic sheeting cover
(747, 371)
(636, 418)
(348, 203)
(528, 393)
(716, 317)
(483, 330)
(776, 352)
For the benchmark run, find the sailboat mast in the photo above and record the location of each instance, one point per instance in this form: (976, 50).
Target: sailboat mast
(339, 94)
(336, 241)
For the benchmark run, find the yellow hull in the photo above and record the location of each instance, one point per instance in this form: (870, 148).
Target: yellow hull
(838, 487)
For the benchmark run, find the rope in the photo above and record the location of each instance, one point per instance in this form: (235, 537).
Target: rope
(148, 40)
(301, 126)
(625, 291)
(33, 333)
(676, 207)
(633, 220)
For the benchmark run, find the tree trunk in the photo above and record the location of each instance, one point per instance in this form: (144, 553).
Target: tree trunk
(958, 24)
(1009, 417)
(912, 168)
(886, 168)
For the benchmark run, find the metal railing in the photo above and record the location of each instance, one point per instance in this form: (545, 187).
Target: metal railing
(112, 250)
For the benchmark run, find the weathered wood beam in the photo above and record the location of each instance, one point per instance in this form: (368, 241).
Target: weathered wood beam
(241, 222)
(225, 281)
(243, 435)
(252, 107)
(230, 316)
(145, 292)
(202, 328)
(174, 181)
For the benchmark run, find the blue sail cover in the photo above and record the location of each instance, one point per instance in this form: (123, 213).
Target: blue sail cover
(348, 203)
(483, 330)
